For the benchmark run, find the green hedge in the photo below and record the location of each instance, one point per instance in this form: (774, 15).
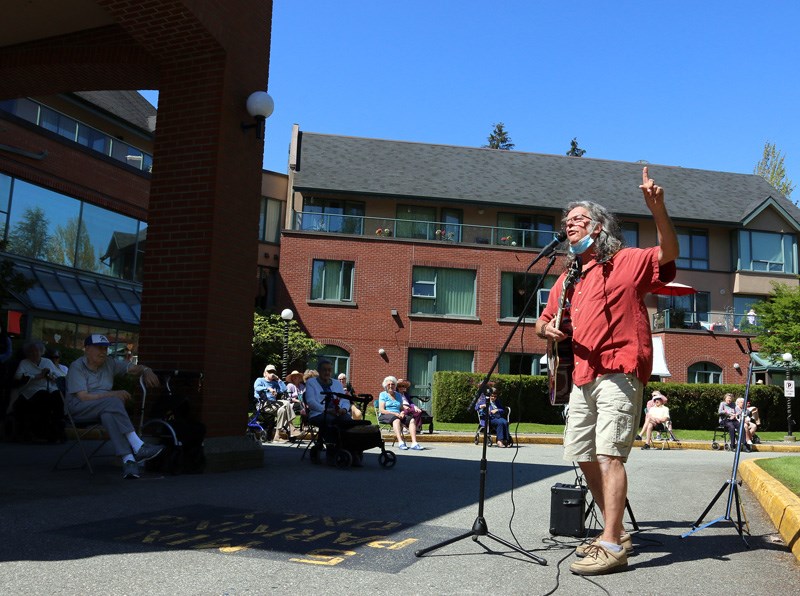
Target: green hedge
(691, 405)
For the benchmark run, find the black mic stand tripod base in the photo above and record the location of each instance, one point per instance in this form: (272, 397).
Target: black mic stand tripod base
(479, 526)
(732, 484)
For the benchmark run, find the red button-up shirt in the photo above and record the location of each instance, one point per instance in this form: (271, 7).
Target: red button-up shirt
(610, 324)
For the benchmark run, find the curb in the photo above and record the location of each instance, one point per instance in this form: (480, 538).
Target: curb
(781, 504)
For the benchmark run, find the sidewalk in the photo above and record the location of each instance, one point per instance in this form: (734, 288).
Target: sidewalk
(292, 527)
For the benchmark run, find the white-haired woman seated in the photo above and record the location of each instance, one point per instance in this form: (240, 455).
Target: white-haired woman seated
(390, 411)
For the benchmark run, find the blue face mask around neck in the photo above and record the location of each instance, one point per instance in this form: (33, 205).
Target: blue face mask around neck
(582, 245)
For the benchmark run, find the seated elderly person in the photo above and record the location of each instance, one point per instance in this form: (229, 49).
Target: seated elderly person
(657, 414)
(391, 411)
(90, 396)
(497, 416)
(327, 412)
(750, 422)
(727, 418)
(269, 389)
(38, 409)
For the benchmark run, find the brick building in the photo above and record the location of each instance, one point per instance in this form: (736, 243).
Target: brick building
(407, 258)
(205, 58)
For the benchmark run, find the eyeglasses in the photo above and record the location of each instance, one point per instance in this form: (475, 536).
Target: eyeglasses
(576, 220)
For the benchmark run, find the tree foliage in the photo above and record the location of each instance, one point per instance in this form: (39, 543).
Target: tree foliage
(771, 168)
(574, 150)
(499, 139)
(29, 236)
(779, 320)
(10, 280)
(268, 343)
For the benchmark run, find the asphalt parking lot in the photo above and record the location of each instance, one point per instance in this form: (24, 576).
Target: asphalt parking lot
(295, 527)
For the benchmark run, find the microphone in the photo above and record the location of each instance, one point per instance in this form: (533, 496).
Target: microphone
(550, 248)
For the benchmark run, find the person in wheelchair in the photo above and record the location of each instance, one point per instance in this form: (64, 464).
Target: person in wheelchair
(727, 418)
(751, 421)
(333, 416)
(497, 416)
(271, 391)
(90, 394)
(657, 414)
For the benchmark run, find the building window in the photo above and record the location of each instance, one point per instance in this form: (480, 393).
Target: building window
(767, 251)
(266, 283)
(443, 291)
(49, 226)
(77, 132)
(416, 221)
(515, 289)
(332, 215)
(332, 281)
(521, 364)
(423, 363)
(704, 372)
(5, 198)
(630, 232)
(744, 308)
(524, 230)
(686, 311)
(269, 220)
(338, 356)
(693, 248)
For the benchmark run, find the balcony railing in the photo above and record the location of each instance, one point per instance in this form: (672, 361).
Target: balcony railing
(381, 227)
(716, 321)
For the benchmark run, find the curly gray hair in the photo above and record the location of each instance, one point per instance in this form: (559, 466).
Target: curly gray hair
(609, 241)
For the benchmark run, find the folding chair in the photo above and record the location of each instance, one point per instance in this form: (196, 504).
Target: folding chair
(663, 432)
(81, 428)
(388, 427)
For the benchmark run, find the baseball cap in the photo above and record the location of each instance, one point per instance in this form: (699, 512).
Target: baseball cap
(95, 339)
(271, 367)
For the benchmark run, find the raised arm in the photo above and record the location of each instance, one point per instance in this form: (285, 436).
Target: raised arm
(654, 199)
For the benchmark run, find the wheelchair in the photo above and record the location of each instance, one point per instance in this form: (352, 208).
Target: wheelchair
(340, 441)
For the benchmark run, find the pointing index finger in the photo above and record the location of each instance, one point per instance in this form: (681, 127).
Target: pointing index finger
(645, 176)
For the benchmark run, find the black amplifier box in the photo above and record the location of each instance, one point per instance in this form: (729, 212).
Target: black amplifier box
(567, 505)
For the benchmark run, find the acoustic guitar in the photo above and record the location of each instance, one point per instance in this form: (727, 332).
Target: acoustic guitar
(560, 360)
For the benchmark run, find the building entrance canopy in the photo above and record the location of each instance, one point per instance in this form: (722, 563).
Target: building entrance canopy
(68, 291)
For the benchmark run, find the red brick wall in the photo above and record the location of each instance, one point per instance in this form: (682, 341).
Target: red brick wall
(74, 171)
(382, 282)
(687, 347)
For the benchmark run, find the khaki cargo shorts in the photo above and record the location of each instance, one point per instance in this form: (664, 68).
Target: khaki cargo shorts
(603, 417)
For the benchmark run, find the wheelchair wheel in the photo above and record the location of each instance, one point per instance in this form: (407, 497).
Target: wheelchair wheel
(343, 459)
(715, 446)
(387, 459)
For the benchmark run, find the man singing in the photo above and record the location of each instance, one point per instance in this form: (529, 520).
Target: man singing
(613, 356)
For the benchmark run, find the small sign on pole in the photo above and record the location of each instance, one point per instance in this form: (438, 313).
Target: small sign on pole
(788, 388)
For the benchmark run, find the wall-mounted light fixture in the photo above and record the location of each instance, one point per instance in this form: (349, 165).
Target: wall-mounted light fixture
(394, 312)
(382, 352)
(260, 106)
(736, 365)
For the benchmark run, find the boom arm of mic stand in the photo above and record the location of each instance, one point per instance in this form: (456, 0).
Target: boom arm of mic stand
(521, 317)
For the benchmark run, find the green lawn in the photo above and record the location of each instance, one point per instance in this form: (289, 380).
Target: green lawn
(784, 469)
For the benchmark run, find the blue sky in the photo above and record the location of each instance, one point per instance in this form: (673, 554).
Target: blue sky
(692, 84)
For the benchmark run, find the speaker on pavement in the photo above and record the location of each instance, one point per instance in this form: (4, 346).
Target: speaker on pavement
(567, 504)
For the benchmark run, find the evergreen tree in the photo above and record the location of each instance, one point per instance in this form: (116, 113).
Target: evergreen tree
(29, 237)
(771, 168)
(574, 150)
(499, 139)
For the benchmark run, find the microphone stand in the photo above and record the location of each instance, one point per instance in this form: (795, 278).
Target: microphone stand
(732, 484)
(479, 526)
